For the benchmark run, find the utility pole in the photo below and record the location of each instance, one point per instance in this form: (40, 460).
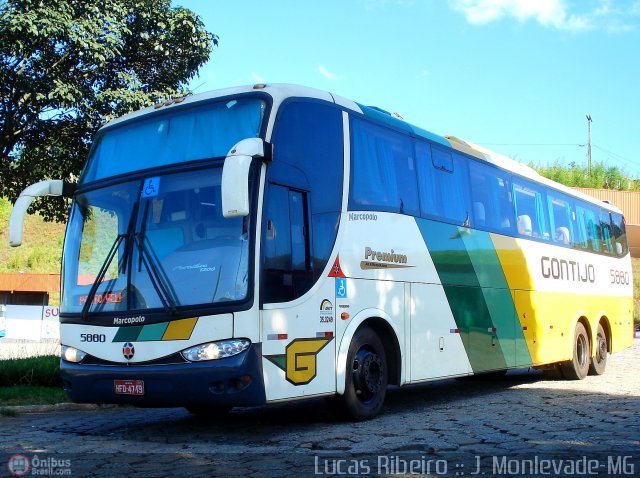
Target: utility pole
(589, 143)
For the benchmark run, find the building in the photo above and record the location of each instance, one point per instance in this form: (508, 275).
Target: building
(18, 288)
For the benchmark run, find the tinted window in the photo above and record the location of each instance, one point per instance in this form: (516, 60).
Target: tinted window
(491, 198)
(443, 182)
(286, 264)
(530, 209)
(619, 234)
(180, 135)
(308, 156)
(588, 223)
(561, 222)
(605, 232)
(383, 173)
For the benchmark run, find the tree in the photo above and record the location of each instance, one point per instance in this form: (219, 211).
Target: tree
(68, 66)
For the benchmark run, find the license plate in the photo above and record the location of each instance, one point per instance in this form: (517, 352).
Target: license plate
(129, 387)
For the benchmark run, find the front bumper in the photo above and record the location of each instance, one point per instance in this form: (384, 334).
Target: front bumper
(235, 381)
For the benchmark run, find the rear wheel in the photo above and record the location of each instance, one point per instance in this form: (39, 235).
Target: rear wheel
(367, 376)
(578, 367)
(599, 362)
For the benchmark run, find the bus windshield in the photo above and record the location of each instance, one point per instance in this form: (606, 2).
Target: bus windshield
(178, 136)
(153, 243)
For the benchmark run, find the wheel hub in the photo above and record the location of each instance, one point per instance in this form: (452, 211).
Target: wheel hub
(582, 351)
(367, 373)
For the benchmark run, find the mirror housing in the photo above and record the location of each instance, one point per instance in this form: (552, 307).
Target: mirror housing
(235, 175)
(51, 187)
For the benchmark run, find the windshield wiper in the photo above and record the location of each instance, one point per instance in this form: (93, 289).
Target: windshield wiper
(101, 273)
(159, 279)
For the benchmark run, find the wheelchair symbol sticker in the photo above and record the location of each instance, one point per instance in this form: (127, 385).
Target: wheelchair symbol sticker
(151, 187)
(341, 288)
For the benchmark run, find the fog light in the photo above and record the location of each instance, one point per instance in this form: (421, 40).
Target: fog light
(72, 354)
(216, 350)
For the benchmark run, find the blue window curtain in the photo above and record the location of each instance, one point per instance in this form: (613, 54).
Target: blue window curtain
(382, 170)
(205, 132)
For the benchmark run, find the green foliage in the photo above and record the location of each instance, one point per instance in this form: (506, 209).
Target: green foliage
(601, 176)
(29, 395)
(67, 66)
(41, 250)
(42, 371)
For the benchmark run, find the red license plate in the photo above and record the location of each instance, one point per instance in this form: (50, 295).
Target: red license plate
(129, 387)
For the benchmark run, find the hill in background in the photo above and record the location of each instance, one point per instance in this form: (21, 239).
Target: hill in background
(41, 248)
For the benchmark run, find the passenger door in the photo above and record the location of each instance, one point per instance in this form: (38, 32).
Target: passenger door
(297, 334)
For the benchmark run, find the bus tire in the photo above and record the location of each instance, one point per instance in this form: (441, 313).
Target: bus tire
(599, 362)
(366, 378)
(578, 367)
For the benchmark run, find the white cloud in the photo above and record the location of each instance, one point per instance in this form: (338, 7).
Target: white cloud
(608, 15)
(327, 74)
(549, 13)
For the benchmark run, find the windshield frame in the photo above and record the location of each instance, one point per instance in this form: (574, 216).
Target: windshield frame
(160, 314)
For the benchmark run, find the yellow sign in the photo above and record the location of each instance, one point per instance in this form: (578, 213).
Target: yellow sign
(300, 360)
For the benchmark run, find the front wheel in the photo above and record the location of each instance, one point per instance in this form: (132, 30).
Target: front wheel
(366, 376)
(578, 367)
(599, 362)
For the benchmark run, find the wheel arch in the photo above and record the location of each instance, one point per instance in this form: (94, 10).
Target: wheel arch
(388, 333)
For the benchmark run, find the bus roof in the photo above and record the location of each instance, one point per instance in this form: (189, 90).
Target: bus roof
(281, 91)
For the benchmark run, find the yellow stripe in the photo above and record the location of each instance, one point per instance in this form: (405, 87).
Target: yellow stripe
(548, 319)
(180, 329)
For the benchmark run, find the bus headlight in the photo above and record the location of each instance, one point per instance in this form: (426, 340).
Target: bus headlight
(72, 354)
(216, 350)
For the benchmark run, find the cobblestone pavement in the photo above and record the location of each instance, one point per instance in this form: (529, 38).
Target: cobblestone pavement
(524, 424)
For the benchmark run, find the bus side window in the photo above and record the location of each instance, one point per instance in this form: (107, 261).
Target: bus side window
(492, 206)
(588, 230)
(382, 170)
(560, 218)
(439, 174)
(619, 234)
(530, 210)
(604, 230)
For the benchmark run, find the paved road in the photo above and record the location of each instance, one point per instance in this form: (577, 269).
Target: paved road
(522, 425)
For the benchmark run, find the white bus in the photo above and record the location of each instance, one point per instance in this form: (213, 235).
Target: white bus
(274, 242)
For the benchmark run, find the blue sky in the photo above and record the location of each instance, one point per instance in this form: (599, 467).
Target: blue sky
(516, 76)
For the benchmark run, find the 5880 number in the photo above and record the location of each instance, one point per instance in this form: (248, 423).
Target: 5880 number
(93, 338)
(619, 277)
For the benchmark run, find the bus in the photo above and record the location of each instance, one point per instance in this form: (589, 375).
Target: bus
(274, 242)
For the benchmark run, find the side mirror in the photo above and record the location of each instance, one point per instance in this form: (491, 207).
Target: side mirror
(235, 175)
(51, 187)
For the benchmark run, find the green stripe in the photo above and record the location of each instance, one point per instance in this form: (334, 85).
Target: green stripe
(152, 332)
(128, 334)
(498, 297)
(478, 294)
